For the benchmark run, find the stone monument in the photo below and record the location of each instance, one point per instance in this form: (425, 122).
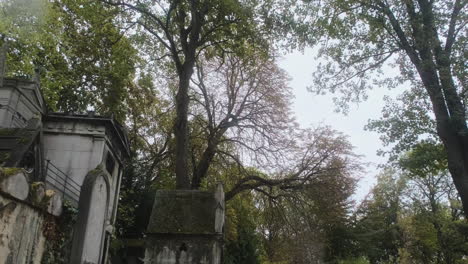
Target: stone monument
(186, 227)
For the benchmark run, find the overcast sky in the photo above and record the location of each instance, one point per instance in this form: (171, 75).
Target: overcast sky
(314, 110)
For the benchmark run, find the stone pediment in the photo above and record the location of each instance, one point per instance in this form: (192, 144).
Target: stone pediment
(28, 89)
(32, 92)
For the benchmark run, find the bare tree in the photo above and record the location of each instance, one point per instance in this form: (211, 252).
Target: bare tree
(316, 155)
(177, 32)
(243, 103)
(241, 114)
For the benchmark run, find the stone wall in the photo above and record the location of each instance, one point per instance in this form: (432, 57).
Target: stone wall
(71, 150)
(21, 233)
(26, 213)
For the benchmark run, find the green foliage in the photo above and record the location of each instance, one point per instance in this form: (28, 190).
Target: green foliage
(361, 41)
(408, 218)
(405, 121)
(357, 38)
(310, 225)
(225, 26)
(149, 121)
(87, 62)
(424, 159)
(360, 260)
(58, 233)
(430, 238)
(242, 241)
(422, 241)
(84, 60)
(376, 225)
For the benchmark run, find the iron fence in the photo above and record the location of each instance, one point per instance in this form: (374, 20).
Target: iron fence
(62, 183)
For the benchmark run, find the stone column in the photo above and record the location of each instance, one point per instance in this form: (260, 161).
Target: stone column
(186, 227)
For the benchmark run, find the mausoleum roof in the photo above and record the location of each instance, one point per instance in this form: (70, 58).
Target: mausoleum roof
(114, 129)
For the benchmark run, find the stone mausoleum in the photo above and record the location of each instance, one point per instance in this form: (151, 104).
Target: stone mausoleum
(79, 159)
(50, 162)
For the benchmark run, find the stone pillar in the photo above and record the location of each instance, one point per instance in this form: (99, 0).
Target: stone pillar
(186, 227)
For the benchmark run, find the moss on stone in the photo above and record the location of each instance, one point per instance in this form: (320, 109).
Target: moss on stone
(99, 169)
(45, 201)
(183, 212)
(59, 239)
(47, 197)
(36, 185)
(9, 131)
(8, 172)
(4, 157)
(35, 188)
(23, 139)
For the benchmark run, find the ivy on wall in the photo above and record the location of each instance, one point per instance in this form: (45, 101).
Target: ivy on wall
(59, 234)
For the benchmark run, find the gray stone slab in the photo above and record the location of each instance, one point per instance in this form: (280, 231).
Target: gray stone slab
(183, 212)
(88, 242)
(13, 181)
(54, 203)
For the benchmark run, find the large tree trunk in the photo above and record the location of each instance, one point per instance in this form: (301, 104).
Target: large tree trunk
(3, 57)
(181, 130)
(451, 128)
(433, 65)
(189, 43)
(457, 153)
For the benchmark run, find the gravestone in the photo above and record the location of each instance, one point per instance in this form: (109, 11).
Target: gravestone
(186, 227)
(88, 238)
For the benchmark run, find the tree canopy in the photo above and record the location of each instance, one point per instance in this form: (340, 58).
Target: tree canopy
(83, 59)
(177, 32)
(424, 39)
(198, 86)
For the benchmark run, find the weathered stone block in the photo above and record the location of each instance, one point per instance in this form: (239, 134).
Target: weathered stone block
(186, 227)
(13, 181)
(183, 212)
(37, 194)
(54, 203)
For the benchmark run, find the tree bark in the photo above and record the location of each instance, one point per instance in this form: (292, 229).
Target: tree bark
(181, 130)
(450, 117)
(190, 37)
(203, 166)
(433, 65)
(457, 153)
(451, 126)
(3, 55)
